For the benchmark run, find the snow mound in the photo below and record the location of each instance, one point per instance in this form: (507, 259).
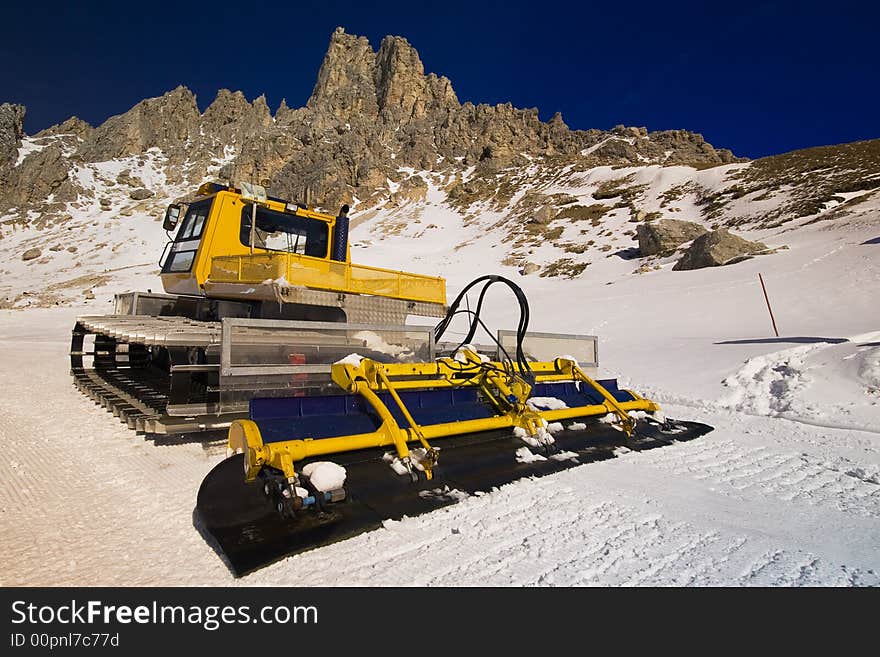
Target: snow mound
(525, 455)
(546, 404)
(416, 457)
(351, 359)
(325, 475)
(834, 384)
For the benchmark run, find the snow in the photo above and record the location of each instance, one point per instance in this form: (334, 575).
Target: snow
(351, 359)
(416, 456)
(396, 464)
(461, 354)
(833, 383)
(28, 146)
(525, 455)
(375, 342)
(545, 403)
(784, 491)
(325, 475)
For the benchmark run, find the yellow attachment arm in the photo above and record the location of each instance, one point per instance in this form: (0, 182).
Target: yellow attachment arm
(569, 367)
(507, 392)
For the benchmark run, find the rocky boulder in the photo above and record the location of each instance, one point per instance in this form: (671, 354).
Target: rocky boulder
(141, 194)
(125, 178)
(719, 247)
(664, 237)
(31, 254)
(543, 215)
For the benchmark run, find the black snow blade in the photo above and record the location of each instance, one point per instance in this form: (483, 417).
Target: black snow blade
(242, 525)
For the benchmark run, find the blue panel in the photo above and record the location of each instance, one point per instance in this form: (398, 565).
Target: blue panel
(291, 418)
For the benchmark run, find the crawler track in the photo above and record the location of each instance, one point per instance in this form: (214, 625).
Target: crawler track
(142, 371)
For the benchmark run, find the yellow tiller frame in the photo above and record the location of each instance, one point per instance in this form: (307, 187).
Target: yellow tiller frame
(505, 390)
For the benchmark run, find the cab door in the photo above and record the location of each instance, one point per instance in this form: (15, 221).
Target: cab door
(178, 276)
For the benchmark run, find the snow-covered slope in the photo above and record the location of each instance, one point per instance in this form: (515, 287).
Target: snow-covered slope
(786, 490)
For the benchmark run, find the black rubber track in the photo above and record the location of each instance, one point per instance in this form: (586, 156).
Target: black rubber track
(245, 529)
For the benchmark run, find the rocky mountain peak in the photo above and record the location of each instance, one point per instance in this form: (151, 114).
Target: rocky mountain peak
(166, 122)
(230, 117)
(345, 80)
(73, 126)
(402, 90)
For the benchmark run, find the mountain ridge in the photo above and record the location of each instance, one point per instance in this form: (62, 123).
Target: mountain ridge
(398, 146)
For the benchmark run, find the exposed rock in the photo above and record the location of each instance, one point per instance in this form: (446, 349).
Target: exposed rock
(564, 268)
(410, 190)
(664, 237)
(345, 84)
(105, 203)
(166, 122)
(11, 132)
(543, 215)
(39, 176)
(31, 254)
(403, 91)
(529, 268)
(719, 247)
(72, 126)
(141, 194)
(125, 178)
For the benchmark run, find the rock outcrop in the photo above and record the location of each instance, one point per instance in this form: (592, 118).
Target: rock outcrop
(168, 123)
(11, 132)
(716, 248)
(664, 237)
(42, 178)
(72, 126)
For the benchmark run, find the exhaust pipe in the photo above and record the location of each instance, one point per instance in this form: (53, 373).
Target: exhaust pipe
(339, 250)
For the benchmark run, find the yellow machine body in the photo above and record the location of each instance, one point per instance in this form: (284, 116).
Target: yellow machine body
(213, 247)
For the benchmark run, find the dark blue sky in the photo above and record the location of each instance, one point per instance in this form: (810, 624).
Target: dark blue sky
(756, 77)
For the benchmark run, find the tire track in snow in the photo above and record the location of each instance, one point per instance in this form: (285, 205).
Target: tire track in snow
(790, 476)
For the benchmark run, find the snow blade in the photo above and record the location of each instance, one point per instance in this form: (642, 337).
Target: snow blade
(242, 524)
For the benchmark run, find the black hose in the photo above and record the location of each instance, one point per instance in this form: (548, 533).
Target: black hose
(521, 363)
